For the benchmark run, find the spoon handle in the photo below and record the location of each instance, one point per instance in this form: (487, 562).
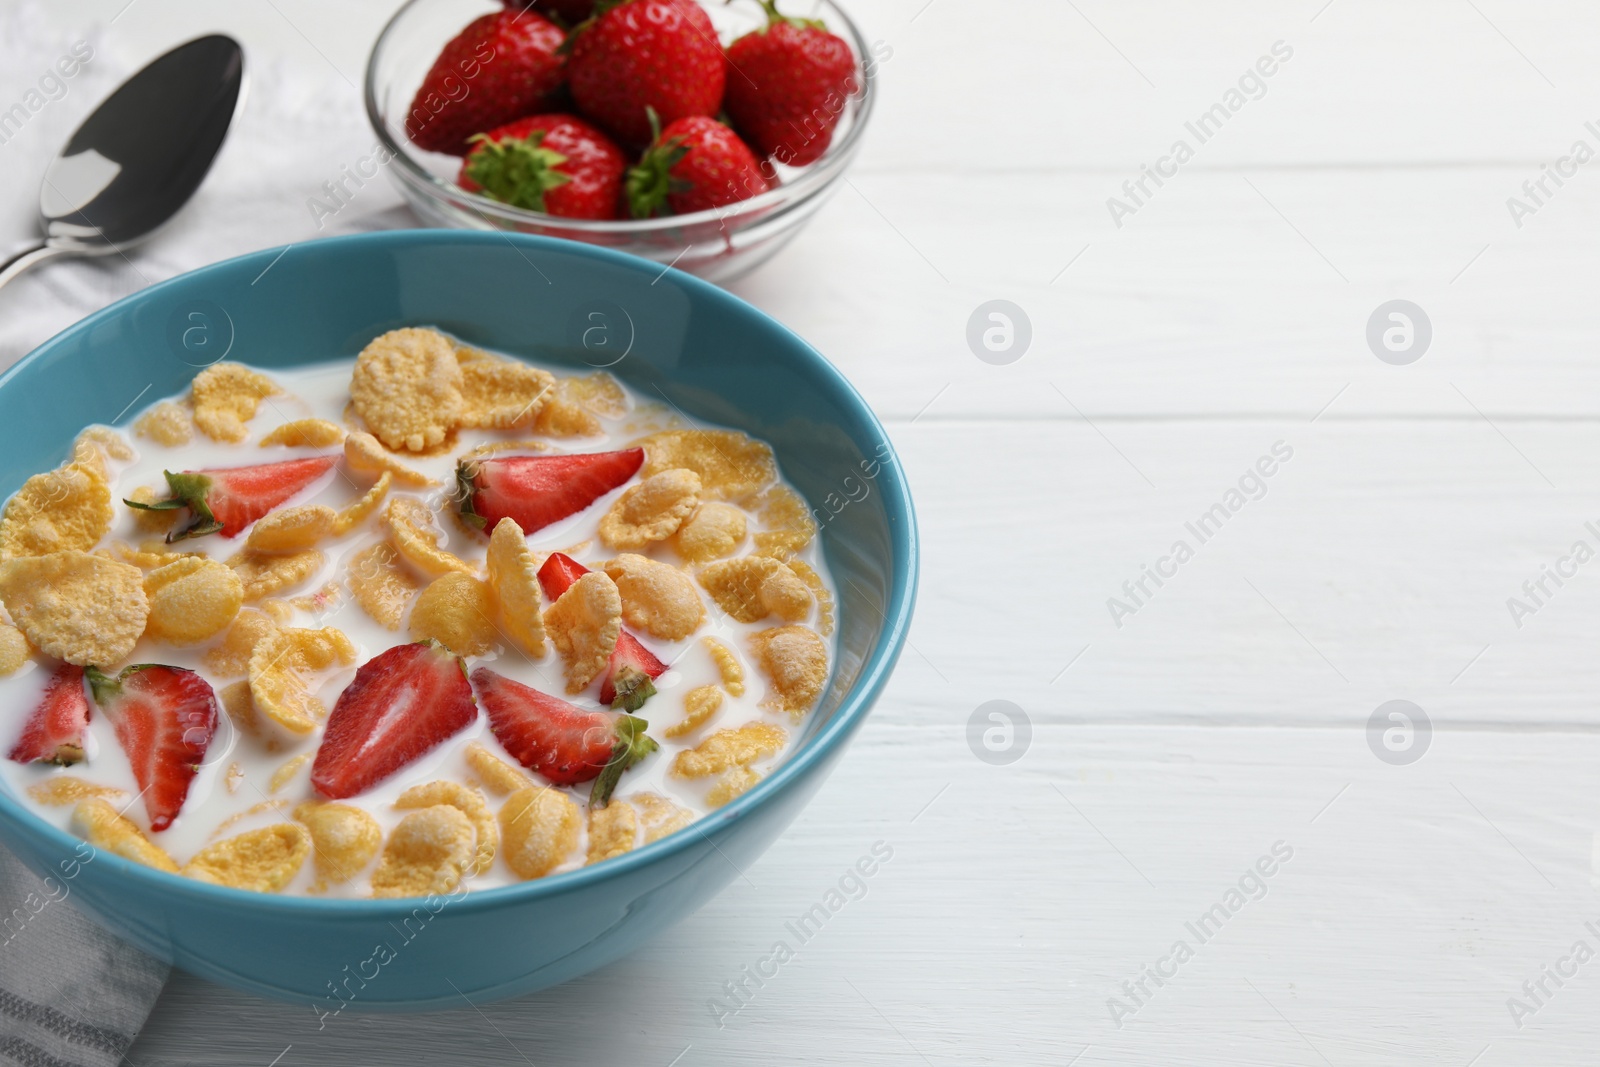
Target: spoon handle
(26, 258)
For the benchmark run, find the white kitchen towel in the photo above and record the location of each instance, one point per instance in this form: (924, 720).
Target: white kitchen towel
(71, 994)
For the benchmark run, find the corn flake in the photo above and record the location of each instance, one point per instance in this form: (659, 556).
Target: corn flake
(427, 853)
(788, 520)
(64, 789)
(148, 556)
(651, 511)
(726, 749)
(360, 509)
(539, 829)
(796, 662)
(561, 417)
(226, 396)
(305, 433)
(285, 774)
(406, 387)
(498, 776)
(264, 575)
(712, 531)
(612, 830)
(813, 580)
(734, 783)
(753, 587)
(584, 624)
(289, 531)
(382, 585)
(411, 528)
(501, 394)
(264, 860)
(699, 705)
(728, 665)
(98, 823)
(656, 597)
(191, 599)
(598, 392)
(277, 682)
(514, 581)
(343, 838)
(364, 453)
(471, 804)
(96, 444)
(456, 611)
(659, 816)
(67, 508)
(230, 657)
(76, 606)
(14, 650)
(323, 600)
(166, 424)
(731, 465)
(240, 707)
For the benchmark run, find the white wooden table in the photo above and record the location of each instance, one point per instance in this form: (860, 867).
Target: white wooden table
(1228, 714)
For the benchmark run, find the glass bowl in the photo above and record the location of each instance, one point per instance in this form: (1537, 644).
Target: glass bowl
(718, 245)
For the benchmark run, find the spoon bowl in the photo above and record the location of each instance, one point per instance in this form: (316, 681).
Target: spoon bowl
(139, 157)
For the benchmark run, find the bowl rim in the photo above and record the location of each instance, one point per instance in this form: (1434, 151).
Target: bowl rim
(852, 710)
(816, 178)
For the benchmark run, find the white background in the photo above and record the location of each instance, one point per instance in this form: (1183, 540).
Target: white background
(1167, 754)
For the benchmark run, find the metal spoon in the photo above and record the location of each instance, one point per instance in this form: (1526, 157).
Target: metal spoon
(140, 156)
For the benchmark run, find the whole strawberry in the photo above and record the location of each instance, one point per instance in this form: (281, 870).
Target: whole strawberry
(641, 54)
(503, 66)
(789, 85)
(557, 164)
(568, 12)
(695, 164)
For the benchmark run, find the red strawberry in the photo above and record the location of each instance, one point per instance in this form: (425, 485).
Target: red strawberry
(552, 163)
(639, 54)
(539, 490)
(54, 733)
(695, 164)
(561, 741)
(502, 66)
(633, 667)
(165, 718)
(789, 85)
(401, 704)
(232, 498)
(569, 12)
(630, 674)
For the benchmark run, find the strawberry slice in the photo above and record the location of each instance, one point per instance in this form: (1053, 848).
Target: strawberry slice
(230, 499)
(558, 573)
(54, 732)
(559, 740)
(402, 704)
(165, 718)
(628, 662)
(539, 490)
(631, 675)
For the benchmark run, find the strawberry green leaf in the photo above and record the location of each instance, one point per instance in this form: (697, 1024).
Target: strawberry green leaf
(633, 745)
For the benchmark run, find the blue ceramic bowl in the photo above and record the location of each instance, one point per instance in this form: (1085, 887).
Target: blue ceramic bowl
(665, 333)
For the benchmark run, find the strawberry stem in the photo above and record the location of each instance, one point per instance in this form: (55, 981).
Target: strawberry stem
(633, 745)
(188, 491)
(650, 180)
(466, 493)
(517, 170)
(633, 687)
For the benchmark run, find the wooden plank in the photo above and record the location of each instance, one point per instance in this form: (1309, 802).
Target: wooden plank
(1416, 901)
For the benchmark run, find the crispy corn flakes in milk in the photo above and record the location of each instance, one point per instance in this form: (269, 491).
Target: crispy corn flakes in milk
(439, 619)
